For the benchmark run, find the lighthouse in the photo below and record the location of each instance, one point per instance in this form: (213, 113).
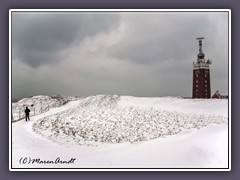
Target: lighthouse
(201, 75)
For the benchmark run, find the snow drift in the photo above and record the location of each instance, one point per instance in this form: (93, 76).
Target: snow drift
(116, 119)
(38, 104)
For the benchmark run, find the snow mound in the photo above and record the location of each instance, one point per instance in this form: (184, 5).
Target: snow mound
(38, 104)
(102, 119)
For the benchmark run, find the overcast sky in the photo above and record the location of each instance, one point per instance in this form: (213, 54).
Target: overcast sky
(125, 53)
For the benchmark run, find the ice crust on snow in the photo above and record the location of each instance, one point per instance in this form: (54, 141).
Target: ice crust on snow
(116, 119)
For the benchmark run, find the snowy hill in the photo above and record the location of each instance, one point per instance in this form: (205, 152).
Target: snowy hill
(117, 119)
(184, 133)
(38, 105)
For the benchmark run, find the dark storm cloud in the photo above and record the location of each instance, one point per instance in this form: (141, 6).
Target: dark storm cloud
(40, 38)
(139, 54)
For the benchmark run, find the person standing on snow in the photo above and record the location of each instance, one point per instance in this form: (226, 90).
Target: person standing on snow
(27, 111)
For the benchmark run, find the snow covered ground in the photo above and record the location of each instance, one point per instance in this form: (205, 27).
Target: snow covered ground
(125, 132)
(38, 104)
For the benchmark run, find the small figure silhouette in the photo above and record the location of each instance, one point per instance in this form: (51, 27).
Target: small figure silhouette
(27, 111)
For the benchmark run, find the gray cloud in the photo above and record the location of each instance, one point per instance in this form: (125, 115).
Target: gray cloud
(167, 36)
(40, 38)
(139, 54)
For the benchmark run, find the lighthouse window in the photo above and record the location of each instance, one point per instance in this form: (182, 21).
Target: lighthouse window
(196, 85)
(206, 85)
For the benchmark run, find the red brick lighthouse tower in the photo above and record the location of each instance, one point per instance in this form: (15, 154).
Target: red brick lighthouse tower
(201, 75)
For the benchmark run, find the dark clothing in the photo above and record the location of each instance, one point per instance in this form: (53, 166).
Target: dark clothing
(27, 111)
